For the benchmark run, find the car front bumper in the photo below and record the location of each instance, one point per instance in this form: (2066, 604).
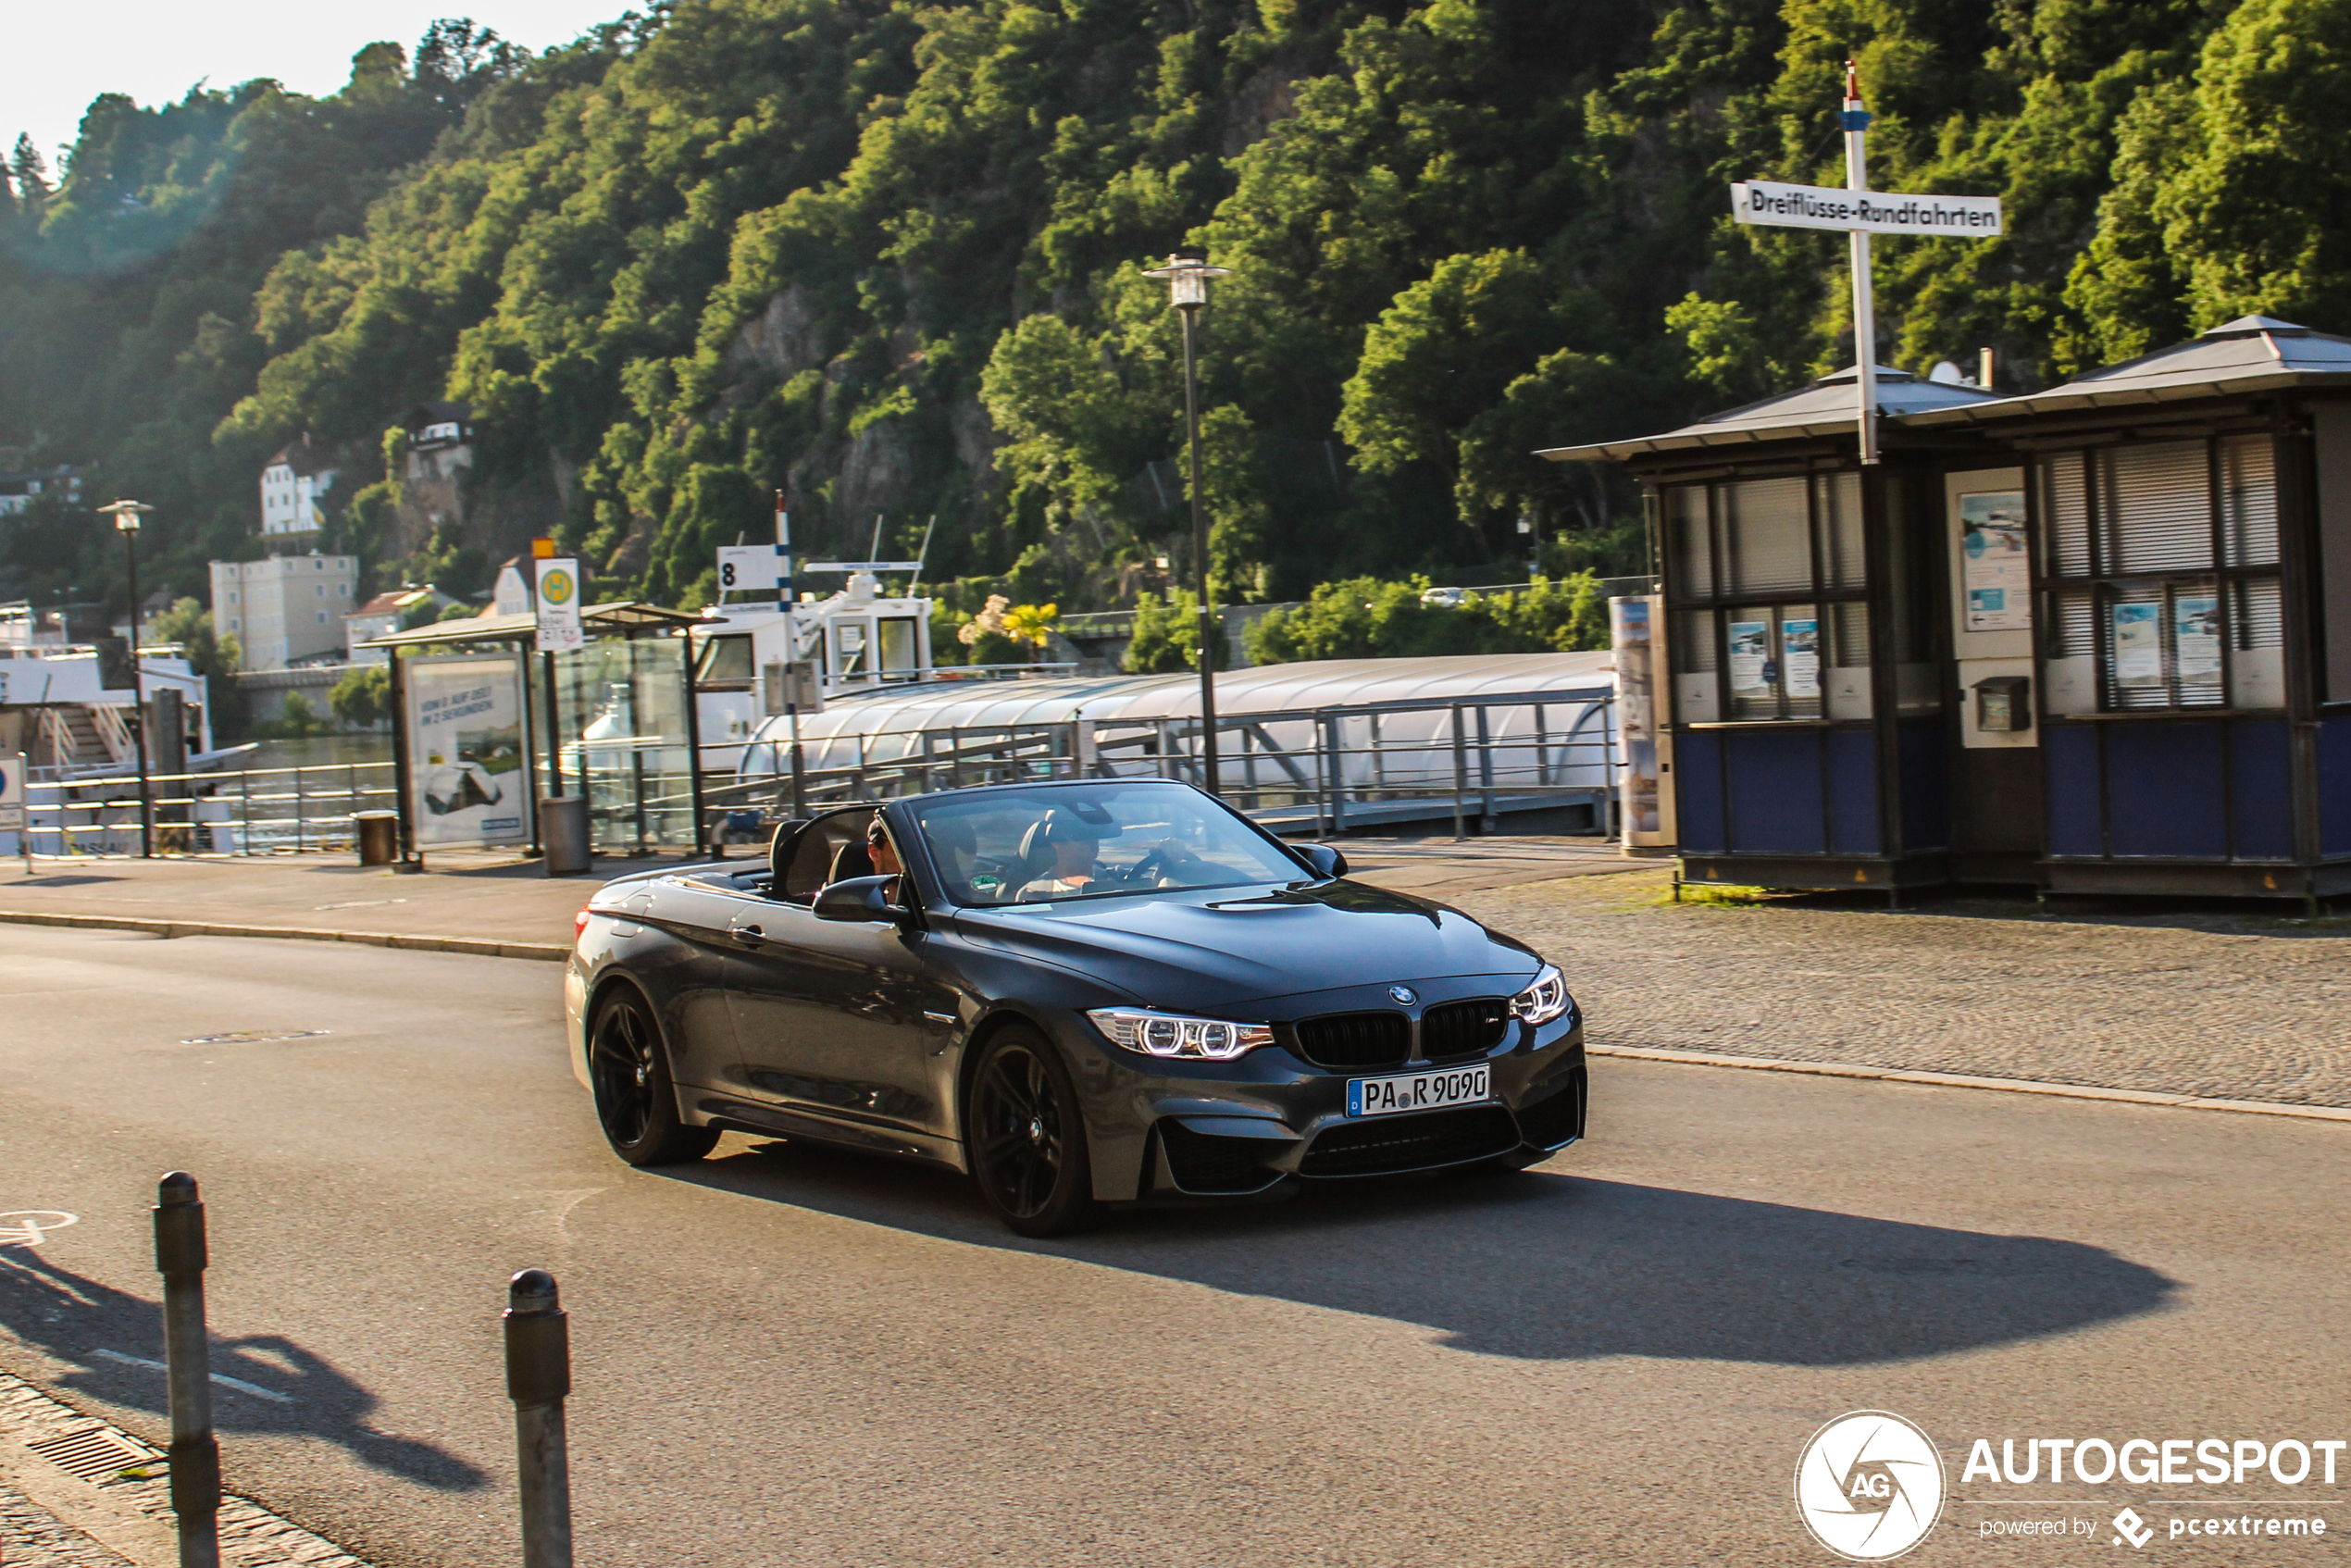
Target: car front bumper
(1178, 1130)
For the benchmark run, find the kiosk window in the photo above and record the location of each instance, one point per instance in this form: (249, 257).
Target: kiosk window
(1768, 577)
(2160, 564)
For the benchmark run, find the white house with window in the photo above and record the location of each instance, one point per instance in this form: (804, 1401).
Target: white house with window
(286, 610)
(293, 487)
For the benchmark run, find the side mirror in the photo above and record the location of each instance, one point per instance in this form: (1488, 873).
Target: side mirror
(1327, 860)
(859, 898)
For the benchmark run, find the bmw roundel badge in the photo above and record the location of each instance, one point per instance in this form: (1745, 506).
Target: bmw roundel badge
(1404, 994)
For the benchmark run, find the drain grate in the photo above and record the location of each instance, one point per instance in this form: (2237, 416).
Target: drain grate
(97, 1455)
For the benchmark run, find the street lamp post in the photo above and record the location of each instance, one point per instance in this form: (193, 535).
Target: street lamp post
(1186, 274)
(126, 521)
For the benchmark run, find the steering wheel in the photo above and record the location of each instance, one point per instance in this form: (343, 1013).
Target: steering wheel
(1149, 869)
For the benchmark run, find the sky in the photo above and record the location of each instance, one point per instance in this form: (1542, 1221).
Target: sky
(63, 55)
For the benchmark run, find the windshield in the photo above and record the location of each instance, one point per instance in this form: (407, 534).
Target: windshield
(1093, 841)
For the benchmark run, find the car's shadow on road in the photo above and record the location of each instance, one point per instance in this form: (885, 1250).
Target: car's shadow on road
(78, 1320)
(1543, 1266)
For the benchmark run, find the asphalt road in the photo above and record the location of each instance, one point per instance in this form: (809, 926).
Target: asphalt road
(785, 1356)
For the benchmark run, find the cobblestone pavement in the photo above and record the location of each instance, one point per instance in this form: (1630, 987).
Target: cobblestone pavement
(2232, 1005)
(132, 1508)
(30, 1537)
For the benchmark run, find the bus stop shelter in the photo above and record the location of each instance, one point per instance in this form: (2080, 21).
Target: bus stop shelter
(483, 731)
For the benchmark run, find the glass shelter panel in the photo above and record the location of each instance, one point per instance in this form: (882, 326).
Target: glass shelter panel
(620, 730)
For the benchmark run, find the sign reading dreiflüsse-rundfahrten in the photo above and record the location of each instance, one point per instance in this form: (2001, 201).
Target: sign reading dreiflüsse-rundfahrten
(1868, 212)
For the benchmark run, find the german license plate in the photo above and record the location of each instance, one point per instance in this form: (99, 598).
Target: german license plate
(1419, 1091)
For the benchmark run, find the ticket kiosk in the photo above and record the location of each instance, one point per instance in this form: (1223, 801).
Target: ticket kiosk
(2150, 611)
(1806, 700)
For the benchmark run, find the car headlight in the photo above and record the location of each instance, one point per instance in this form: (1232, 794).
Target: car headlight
(1545, 1000)
(1171, 1034)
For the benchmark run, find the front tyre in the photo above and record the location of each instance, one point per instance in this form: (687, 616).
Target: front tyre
(636, 1099)
(1027, 1137)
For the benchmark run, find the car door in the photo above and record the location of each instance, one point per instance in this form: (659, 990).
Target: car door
(838, 1019)
(687, 975)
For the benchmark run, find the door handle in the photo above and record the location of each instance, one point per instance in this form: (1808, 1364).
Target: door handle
(745, 933)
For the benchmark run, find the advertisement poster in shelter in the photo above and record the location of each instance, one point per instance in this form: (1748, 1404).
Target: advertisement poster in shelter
(465, 778)
(1631, 622)
(1995, 568)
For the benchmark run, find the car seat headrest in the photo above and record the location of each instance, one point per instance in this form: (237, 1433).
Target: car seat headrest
(781, 843)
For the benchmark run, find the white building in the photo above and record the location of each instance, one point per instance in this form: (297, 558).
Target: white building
(286, 610)
(381, 615)
(293, 486)
(511, 594)
(19, 491)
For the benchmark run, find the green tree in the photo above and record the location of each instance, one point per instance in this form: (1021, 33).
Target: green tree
(214, 656)
(362, 699)
(1368, 619)
(1166, 636)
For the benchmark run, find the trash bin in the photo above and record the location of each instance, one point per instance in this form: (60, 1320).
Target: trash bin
(379, 835)
(563, 834)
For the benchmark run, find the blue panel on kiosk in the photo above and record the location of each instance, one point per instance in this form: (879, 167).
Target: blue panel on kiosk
(2167, 791)
(2334, 787)
(1773, 781)
(2261, 789)
(2070, 751)
(1926, 797)
(1697, 791)
(1853, 791)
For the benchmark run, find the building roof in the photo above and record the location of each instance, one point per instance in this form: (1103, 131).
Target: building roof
(2252, 353)
(437, 414)
(1827, 407)
(304, 458)
(620, 618)
(1350, 684)
(385, 603)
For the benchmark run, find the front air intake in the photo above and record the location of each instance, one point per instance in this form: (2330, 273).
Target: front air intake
(1463, 1028)
(1350, 1040)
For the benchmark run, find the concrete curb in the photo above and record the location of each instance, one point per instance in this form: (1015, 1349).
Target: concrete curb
(1964, 1081)
(553, 953)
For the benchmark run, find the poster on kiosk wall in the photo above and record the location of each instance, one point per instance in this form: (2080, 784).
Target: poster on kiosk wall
(465, 778)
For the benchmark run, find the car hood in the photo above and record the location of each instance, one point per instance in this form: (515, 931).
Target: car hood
(1224, 946)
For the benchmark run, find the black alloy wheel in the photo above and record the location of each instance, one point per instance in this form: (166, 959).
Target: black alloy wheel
(636, 1100)
(1027, 1138)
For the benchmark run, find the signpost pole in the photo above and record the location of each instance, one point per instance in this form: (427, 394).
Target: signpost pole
(1856, 121)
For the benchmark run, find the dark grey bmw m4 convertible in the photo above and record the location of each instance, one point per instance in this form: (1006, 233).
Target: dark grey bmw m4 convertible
(1083, 993)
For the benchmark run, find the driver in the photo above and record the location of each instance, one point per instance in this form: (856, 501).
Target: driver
(1074, 842)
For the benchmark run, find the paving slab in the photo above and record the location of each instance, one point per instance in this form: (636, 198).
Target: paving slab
(2194, 1001)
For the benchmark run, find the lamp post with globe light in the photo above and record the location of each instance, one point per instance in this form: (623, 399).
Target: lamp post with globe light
(126, 521)
(1187, 275)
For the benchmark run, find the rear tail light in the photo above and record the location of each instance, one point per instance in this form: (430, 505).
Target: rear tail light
(579, 925)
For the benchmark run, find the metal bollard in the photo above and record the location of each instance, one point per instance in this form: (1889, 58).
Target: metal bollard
(195, 1454)
(539, 1380)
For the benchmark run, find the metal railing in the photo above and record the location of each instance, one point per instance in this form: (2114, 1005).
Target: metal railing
(1321, 770)
(246, 812)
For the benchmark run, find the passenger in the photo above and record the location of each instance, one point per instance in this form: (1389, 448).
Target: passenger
(885, 853)
(875, 857)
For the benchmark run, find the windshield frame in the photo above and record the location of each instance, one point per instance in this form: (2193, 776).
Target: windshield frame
(934, 883)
